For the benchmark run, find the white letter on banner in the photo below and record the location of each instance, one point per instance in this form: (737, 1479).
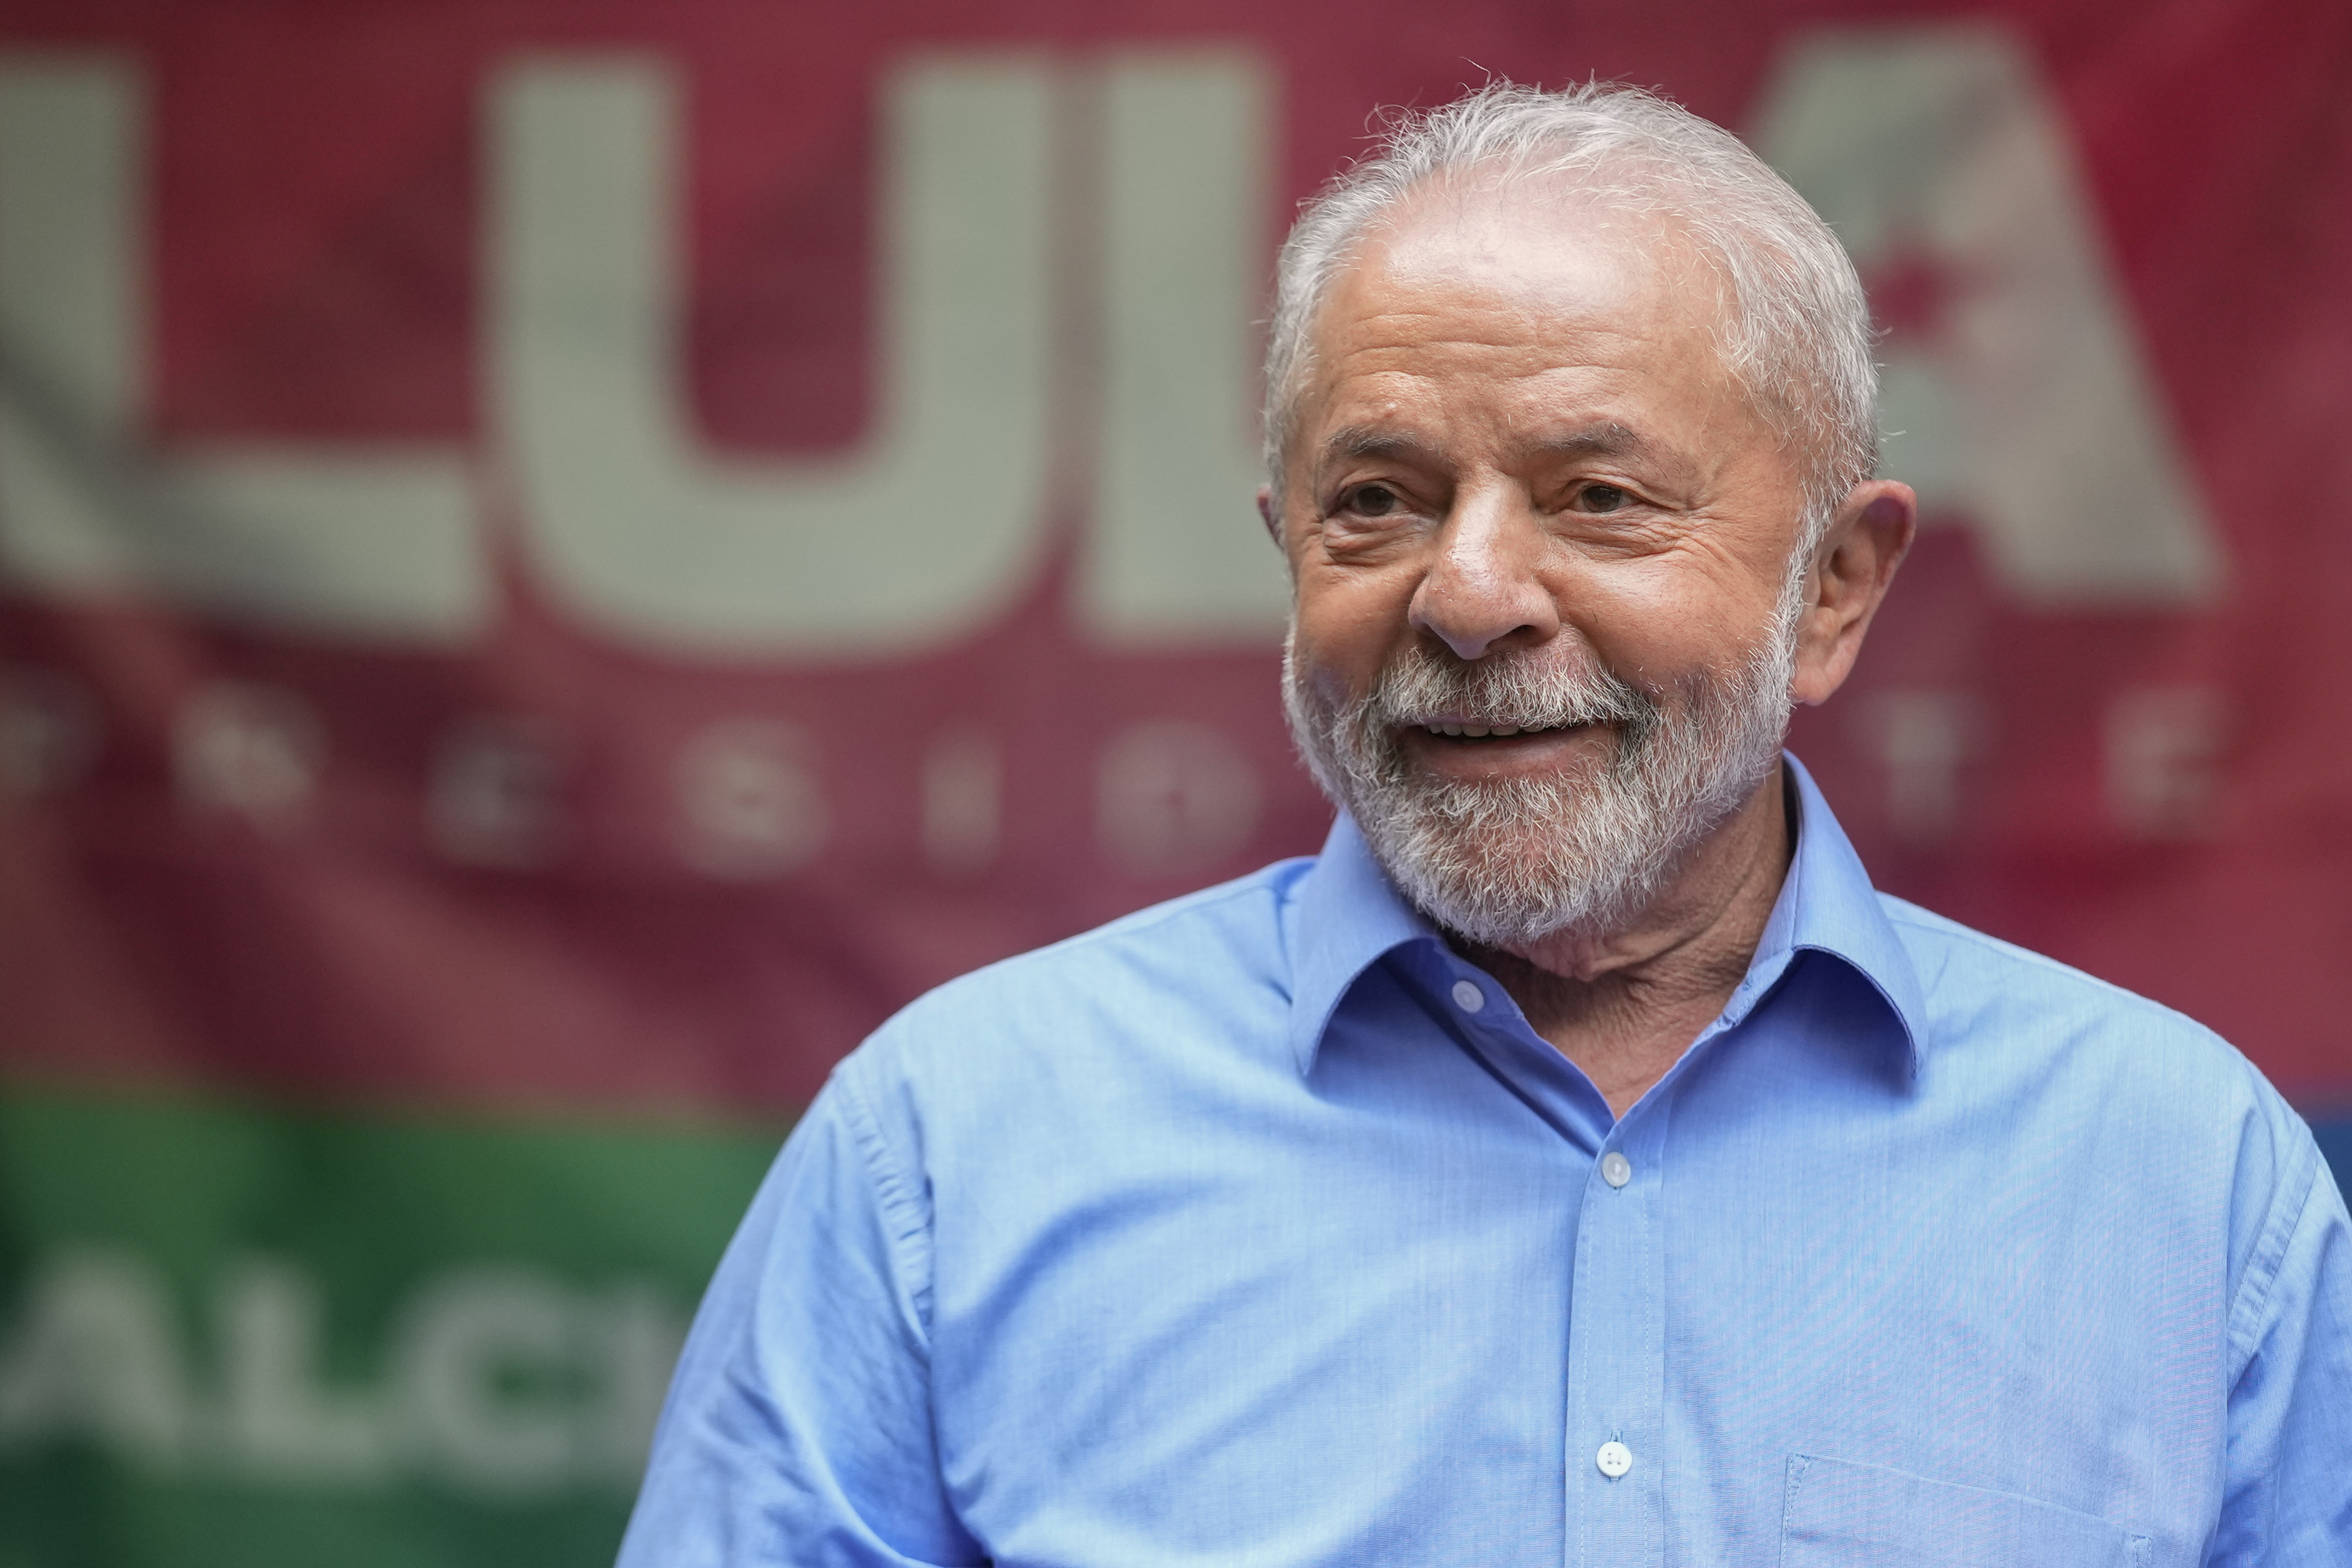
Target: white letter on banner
(636, 1335)
(281, 1423)
(1173, 796)
(963, 802)
(256, 752)
(917, 540)
(378, 544)
(97, 1354)
(1924, 738)
(1177, 556)
(2031, 412)
(485, 1360)
(2165, 748)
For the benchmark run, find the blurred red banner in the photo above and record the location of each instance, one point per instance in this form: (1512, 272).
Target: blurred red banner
(578, 555)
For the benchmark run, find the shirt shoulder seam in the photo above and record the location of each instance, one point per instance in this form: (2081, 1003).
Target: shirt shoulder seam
(1902, 913)
(905, 1226)
(2279, 1228)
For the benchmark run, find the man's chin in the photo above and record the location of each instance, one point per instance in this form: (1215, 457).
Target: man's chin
(1487, 915)
(1481, 882)
(1480, 815)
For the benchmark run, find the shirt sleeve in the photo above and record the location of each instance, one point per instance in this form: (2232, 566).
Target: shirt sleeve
(798, 1427)
(2287, 1495)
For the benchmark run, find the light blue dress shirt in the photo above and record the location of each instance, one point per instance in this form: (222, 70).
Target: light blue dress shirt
(1260, 1228)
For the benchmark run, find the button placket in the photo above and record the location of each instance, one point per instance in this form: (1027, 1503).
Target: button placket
(1616, 1355)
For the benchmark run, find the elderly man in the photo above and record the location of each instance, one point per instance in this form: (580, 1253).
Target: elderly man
(1578, 1162)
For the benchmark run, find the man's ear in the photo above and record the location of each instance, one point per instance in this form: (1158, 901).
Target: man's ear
(1852, 568)
(1267, 514)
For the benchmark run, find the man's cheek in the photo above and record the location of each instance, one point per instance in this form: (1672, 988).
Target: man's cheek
(1355, 628)
(1330, 643)
(1332, 688)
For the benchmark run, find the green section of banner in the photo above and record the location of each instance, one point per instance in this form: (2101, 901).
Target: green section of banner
(232, 1335)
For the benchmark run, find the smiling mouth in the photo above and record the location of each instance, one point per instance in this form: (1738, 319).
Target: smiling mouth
(1491, 731)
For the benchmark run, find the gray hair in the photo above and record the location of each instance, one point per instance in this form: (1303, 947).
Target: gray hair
(1797, 337)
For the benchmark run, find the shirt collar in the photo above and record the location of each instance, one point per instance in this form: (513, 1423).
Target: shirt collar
(1827, 905)
(1350, 915)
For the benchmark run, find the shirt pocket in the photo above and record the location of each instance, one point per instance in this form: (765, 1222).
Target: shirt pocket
(1839, 1514)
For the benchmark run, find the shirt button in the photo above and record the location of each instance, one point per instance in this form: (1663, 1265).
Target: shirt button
(1616, 1170)
(1468, 997)
(1614, 1459)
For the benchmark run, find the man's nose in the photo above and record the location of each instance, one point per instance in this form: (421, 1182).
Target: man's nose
(1485, 586)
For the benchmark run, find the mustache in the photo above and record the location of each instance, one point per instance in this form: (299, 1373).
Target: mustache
(1425, 684)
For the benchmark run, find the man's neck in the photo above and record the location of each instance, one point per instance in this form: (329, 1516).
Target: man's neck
(1624, 1006)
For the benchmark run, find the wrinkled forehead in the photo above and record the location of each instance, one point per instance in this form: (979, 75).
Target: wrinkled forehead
(1540, 257)
(1499, 217)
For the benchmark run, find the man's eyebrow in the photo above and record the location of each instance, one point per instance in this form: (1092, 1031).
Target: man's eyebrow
(1611, 440)
(1363, 441)
(1608, 440)
(1662, 462)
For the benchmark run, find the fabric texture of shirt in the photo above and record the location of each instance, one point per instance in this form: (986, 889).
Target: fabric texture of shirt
(1260, 1228)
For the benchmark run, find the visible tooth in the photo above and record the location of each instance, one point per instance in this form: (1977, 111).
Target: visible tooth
(1452, 729)
(1501, 730)
(1475, 730)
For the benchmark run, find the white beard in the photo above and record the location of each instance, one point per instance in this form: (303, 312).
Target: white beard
(1507, 863)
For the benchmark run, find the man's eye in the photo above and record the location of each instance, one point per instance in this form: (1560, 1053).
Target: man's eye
(1370, 501)
(1602, 498)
